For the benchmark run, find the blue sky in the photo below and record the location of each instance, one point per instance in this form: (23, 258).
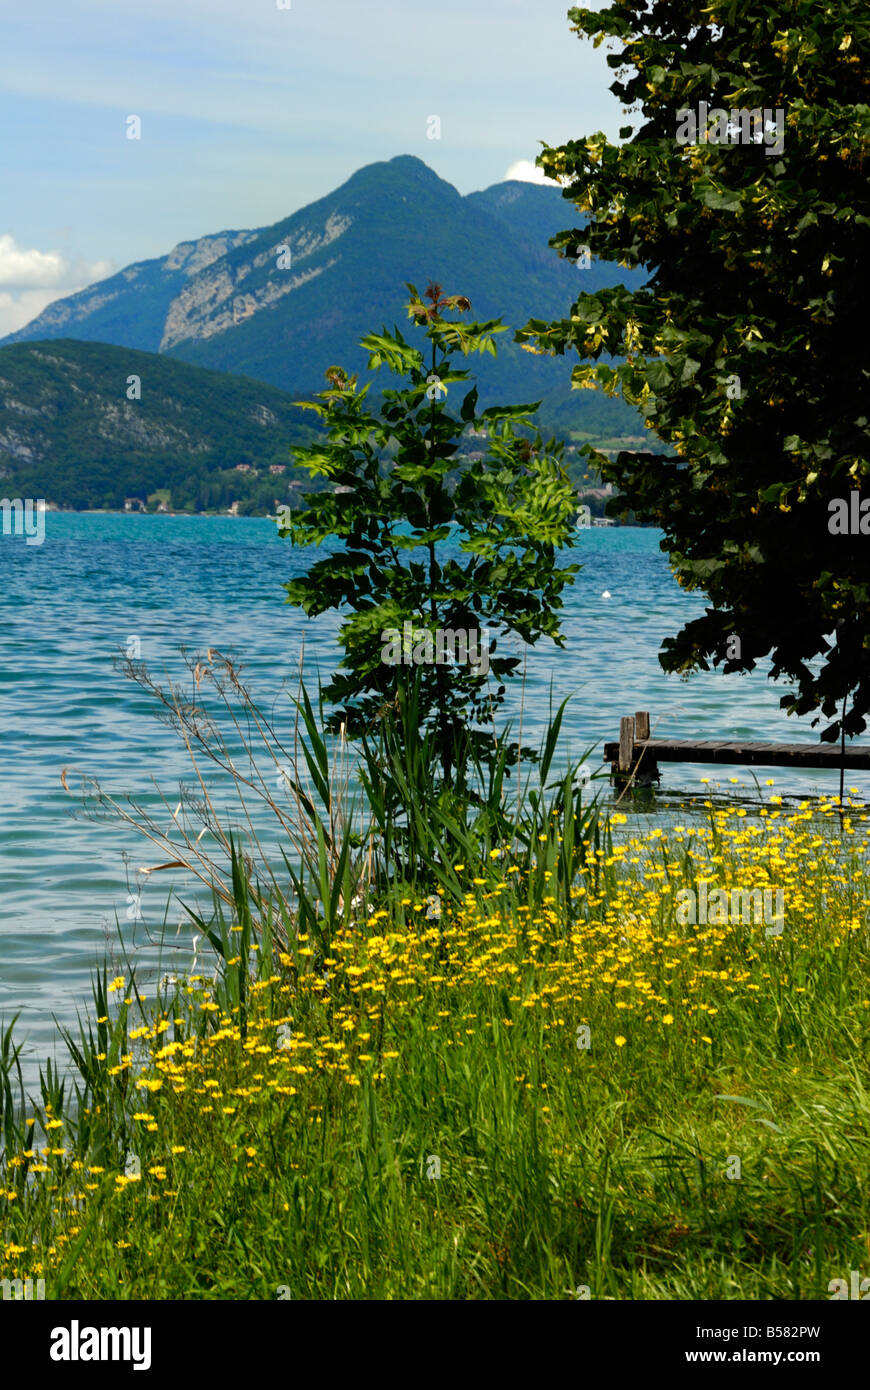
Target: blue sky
(250, 111)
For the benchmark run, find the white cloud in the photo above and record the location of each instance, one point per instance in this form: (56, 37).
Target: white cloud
(31, 279)
(31, 269)
(528, 172)
(17, 310)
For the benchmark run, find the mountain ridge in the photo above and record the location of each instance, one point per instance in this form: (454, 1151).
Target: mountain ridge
(72, 433)
(227, 302)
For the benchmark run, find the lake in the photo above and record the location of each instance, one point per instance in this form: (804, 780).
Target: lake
(71, 605)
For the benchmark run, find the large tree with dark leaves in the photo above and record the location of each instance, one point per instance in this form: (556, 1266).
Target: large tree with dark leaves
(746, 348)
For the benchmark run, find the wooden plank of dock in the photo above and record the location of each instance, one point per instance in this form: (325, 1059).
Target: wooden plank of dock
(748, 753)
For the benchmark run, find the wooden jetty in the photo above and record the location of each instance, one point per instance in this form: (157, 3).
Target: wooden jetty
(636, 755)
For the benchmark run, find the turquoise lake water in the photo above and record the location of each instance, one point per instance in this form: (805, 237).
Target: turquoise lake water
(69, 607)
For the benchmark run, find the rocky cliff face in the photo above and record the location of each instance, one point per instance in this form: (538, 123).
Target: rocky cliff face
(215, 304)
(201, 289)
(193, 256)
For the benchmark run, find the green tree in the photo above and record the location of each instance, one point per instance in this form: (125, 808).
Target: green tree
(433, 538)
(746, 348)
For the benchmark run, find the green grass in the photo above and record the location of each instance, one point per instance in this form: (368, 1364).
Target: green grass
(431, 1127)
(474, 1050)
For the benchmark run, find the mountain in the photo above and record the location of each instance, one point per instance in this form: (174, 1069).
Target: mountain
(69, 433)
(280, 304)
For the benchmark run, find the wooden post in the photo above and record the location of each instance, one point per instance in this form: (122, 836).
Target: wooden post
(626, 743)
(641, 725)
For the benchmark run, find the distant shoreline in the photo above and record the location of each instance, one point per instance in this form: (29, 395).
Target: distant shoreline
(121, 511)
(598, 523)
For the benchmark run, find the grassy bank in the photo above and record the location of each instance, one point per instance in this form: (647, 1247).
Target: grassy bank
(508, 1092)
